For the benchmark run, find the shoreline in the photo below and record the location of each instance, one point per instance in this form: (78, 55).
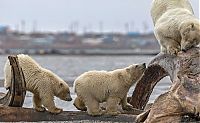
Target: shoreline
(82, 52)
(1, 82)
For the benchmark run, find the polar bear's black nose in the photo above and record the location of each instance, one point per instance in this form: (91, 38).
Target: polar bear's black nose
(69, 99)
(184, 50)
(144, 64)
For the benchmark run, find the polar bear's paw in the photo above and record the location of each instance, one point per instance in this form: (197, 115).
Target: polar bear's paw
(127, 107)
(40, 109)
(56, 111)
(173, 50)
(80, 108)
(113, 113)
(97, 113)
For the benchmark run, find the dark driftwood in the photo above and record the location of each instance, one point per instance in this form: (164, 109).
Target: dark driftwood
(16, 94)
(157, 69)
(144, 87)
(183, 97)
(161, 66)
(10, 114)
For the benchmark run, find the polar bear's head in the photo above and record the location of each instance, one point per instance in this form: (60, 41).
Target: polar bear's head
(136, 71)
(190, 36)
(63, 92)
(59, 86)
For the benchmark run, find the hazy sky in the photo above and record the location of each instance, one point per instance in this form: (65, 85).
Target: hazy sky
(58, 15)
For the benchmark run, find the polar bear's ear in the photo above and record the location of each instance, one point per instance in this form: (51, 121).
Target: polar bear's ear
(189, 28)
(120, 76)
(128, 70)
(61, 84)
(192, 26)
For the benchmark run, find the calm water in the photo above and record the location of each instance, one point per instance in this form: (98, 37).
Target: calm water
(69, 67)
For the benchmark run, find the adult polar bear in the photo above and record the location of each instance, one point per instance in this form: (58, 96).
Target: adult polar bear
(43, 83)
(176, 27)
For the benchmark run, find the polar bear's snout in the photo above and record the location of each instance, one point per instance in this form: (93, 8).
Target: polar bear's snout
(143, 66)
(65, 96)
(188, 44)
(69, 98)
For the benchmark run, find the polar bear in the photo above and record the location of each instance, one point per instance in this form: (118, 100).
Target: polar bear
(95, 87)
(175, 26)
(43, 83)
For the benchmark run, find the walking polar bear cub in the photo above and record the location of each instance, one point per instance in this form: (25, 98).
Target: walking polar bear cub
(43, 83)
(96, 87)
(176, 27)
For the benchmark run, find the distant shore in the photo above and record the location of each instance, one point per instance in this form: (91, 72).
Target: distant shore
(1, 83)
(81, 51)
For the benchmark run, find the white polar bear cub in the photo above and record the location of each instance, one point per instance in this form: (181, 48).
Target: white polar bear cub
(176, 27)
(96, 87)
(43, 83)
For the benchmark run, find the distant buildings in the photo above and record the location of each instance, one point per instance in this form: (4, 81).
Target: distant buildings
(4, 29)
(37, 42)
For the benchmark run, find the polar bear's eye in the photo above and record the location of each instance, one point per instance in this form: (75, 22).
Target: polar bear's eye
(136, 66)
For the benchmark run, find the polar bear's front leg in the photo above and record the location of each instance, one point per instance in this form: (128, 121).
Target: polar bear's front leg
(37, 103)
(48, 102)
(112, 103)
(125, 105)
(167, 43)
(169, 46)
(173, 47)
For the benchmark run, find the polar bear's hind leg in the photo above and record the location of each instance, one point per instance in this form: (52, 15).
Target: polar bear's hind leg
(79, 104)
(37, 104)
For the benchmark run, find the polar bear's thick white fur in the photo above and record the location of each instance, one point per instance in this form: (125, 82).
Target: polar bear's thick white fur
(95, 87)
(176, 27)
(43, 83)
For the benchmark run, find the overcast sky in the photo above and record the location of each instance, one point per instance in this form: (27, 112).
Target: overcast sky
(58, 15)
